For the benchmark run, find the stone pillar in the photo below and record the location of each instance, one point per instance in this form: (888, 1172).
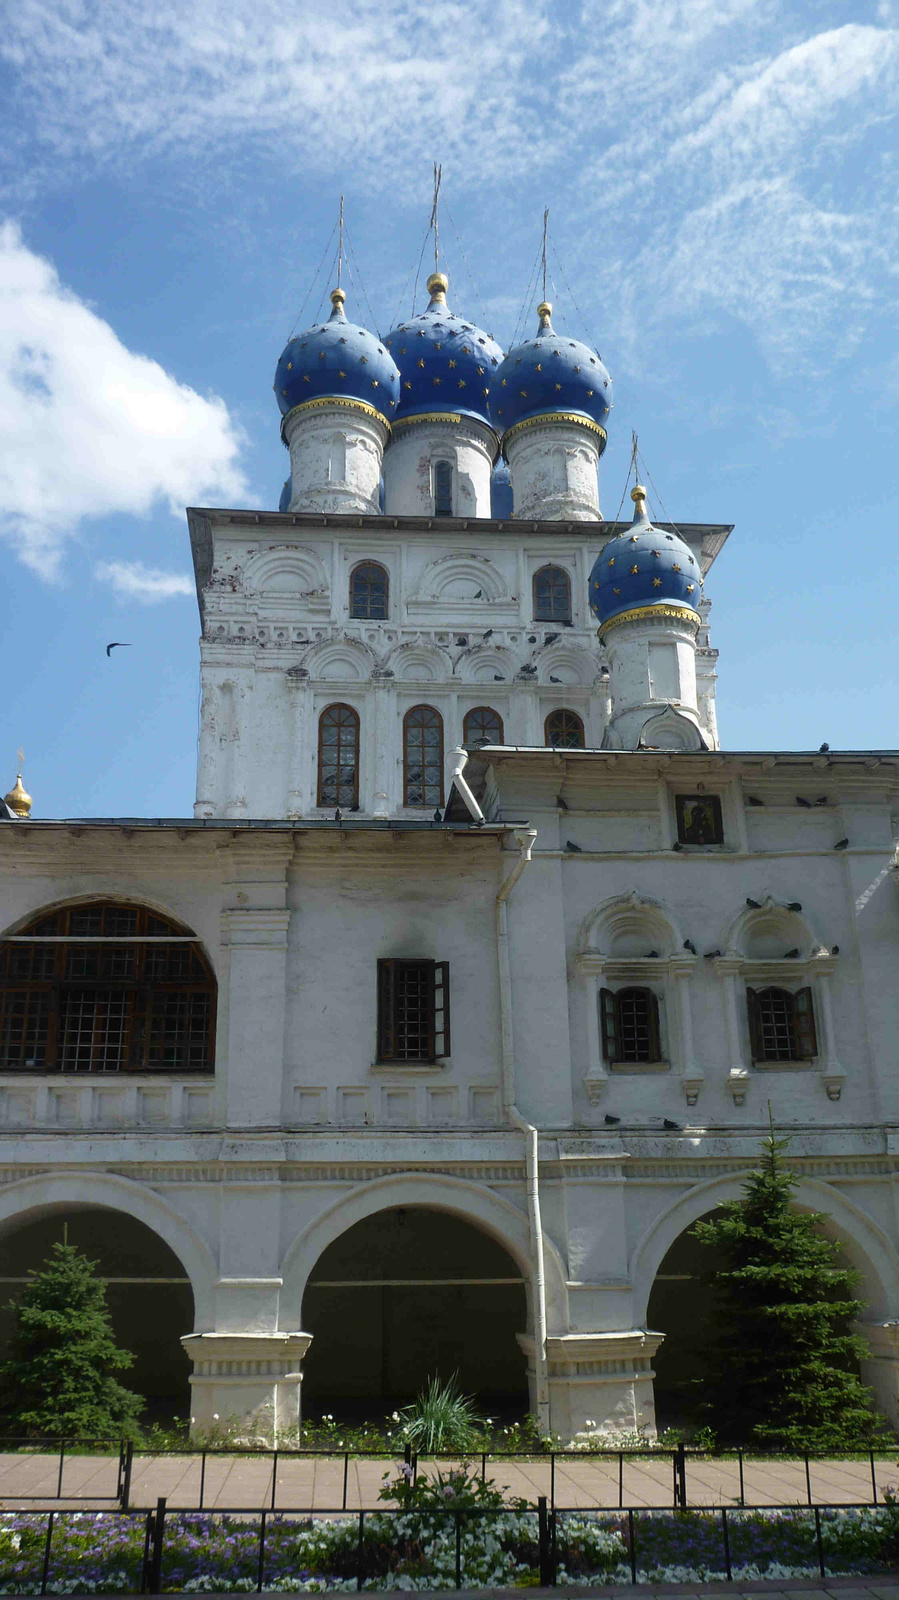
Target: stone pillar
(384, 796)
(302, 743)
(208, 753)
(251, 1378)
(599, 1383)
(553, 462)
(729, 968)
(681, 970)
(880, 1369)
(255, 927)
(336, 453)
(418, 443)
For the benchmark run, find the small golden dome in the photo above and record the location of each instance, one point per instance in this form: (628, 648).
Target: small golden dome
(438, 283)
(544, 312)
(338, 298)
(638, 495)
(18, 801)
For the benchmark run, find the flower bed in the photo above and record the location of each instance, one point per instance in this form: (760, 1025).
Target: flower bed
(441, 1525)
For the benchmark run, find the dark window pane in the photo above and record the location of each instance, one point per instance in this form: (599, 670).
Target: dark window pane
(338, 757)
(552, 595)
(423, 757)
(775, 1014)
(443, 489)
(368, 592)
(24, 1024)
(482, 726)
(564, 730)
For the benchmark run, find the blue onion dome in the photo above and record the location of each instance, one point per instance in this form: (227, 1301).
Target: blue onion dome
(501, 492)
(551, 375)
(445, 362)
(336, 360)
(644, 568)
(286, 495)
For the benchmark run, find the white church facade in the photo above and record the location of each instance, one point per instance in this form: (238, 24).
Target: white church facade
(466, 989)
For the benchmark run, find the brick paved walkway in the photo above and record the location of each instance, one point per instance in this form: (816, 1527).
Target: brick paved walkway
(243, 1482)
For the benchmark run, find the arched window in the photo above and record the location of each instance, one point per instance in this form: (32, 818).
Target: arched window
(781, 1025)
(105, 987)
(337, 459)
(552, 595)
(443, 489)
(630, 1025)
(369, 591)
(482, 726)
(338, 756)
(564, 730)
(423, 757)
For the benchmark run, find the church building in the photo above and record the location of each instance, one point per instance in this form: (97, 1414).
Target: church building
(465, 991)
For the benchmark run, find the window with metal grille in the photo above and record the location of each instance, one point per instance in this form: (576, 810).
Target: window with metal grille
(338, 756)
(423, 757)
(630, 1025)
(443, 489)
(105, 988)
(552, 595)
(564, 730)
(369, 591)
(482, 726)
(413, 1010)
(781, 1025)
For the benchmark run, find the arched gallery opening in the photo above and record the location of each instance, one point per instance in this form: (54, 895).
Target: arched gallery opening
(682, 1307)
(406, 1294)
(149, 1294)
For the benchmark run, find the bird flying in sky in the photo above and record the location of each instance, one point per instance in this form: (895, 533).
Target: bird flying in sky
(117, 644)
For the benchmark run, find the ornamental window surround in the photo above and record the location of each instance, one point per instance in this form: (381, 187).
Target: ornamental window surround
(338, 756)
(106, 987)
(369, 592)
(552, 595)
(413, 1012)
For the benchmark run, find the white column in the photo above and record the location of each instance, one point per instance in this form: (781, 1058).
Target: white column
(596, 1076)
(302, 743)
(831, 1070)
(251, 1378)
(729, 969)
(681, 969)
(208, 754)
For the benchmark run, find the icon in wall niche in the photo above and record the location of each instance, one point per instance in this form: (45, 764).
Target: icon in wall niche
(699, 819)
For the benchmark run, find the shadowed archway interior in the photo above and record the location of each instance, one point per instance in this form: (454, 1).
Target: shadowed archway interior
(407, 1294)
(149, 1295)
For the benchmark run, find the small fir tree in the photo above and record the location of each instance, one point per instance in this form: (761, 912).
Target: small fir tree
(58, 1379)
(783, 1373)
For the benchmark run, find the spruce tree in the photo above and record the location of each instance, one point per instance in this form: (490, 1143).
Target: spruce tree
(783, 1373)
(58, 1380)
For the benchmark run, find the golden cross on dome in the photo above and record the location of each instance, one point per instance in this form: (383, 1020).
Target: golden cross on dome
(21, 755)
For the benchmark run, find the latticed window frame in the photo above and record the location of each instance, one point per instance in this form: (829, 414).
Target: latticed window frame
(415, 749)
(792, 1024)
(345, 794)
(614, 1018)
(551, 589)
(413, 1011)
(570, 724)
(135, 1001)
(473, 735)
(366, 604)
(443, 488)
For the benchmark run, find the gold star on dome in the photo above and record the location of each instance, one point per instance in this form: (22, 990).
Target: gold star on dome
(403, 351)
(438, 347)
(283, 391)
(481, 371)
(465, 350)
(503, 384)
(690, 587)
(341, 374)
(675, 567)
(657, 554)
(290, 366)
(321, 355)
(577, 369)
(633, 538)
(438, 380)
(635, 569)
(612, 562)
(364, 360)
(341, 341)
(303, 345)
(589, 393)
(539, 366)
(374, 383)
(421, 361)
(523, 393)
(461, 383)
(452, 363)
(557, 352)
(407, 386)
(306, 377)
(657, 583)
(558, 386)
(616, 591)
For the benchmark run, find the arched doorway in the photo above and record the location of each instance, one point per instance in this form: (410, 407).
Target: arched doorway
(403, 1295)
(149, 1294)
(682, 1307)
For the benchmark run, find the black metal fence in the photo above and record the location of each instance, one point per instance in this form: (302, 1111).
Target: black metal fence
(547, 1542)
(680, 1457)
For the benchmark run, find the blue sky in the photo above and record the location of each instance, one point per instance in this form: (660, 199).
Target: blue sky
(722, 183)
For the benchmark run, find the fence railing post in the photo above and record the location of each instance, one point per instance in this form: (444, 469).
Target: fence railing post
(274, 1476)
(458, 1518)
(260, 1572)
(681, 1470)
(873, 1480)
(726, 1539)
(742, 1490)
(360, 1552)
(620, 1479)
(346, 1473)
(632, 1543)
(202, 1478)
(818, 1542)
(808, 1479)
(45, 1570)
(62, 1457)
(125, 1496)
(155, 1574)
(543, 1537)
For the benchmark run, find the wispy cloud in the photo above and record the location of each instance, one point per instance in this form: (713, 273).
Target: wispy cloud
(133, 581)
(89, 427)
(717, 156)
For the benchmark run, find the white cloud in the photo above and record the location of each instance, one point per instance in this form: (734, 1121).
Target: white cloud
(88, 427)
(133, 581)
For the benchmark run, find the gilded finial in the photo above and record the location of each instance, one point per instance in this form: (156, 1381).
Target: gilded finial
(544, 312)
(338, 300)
(638, 495)
(438, 283)
(18, 800)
